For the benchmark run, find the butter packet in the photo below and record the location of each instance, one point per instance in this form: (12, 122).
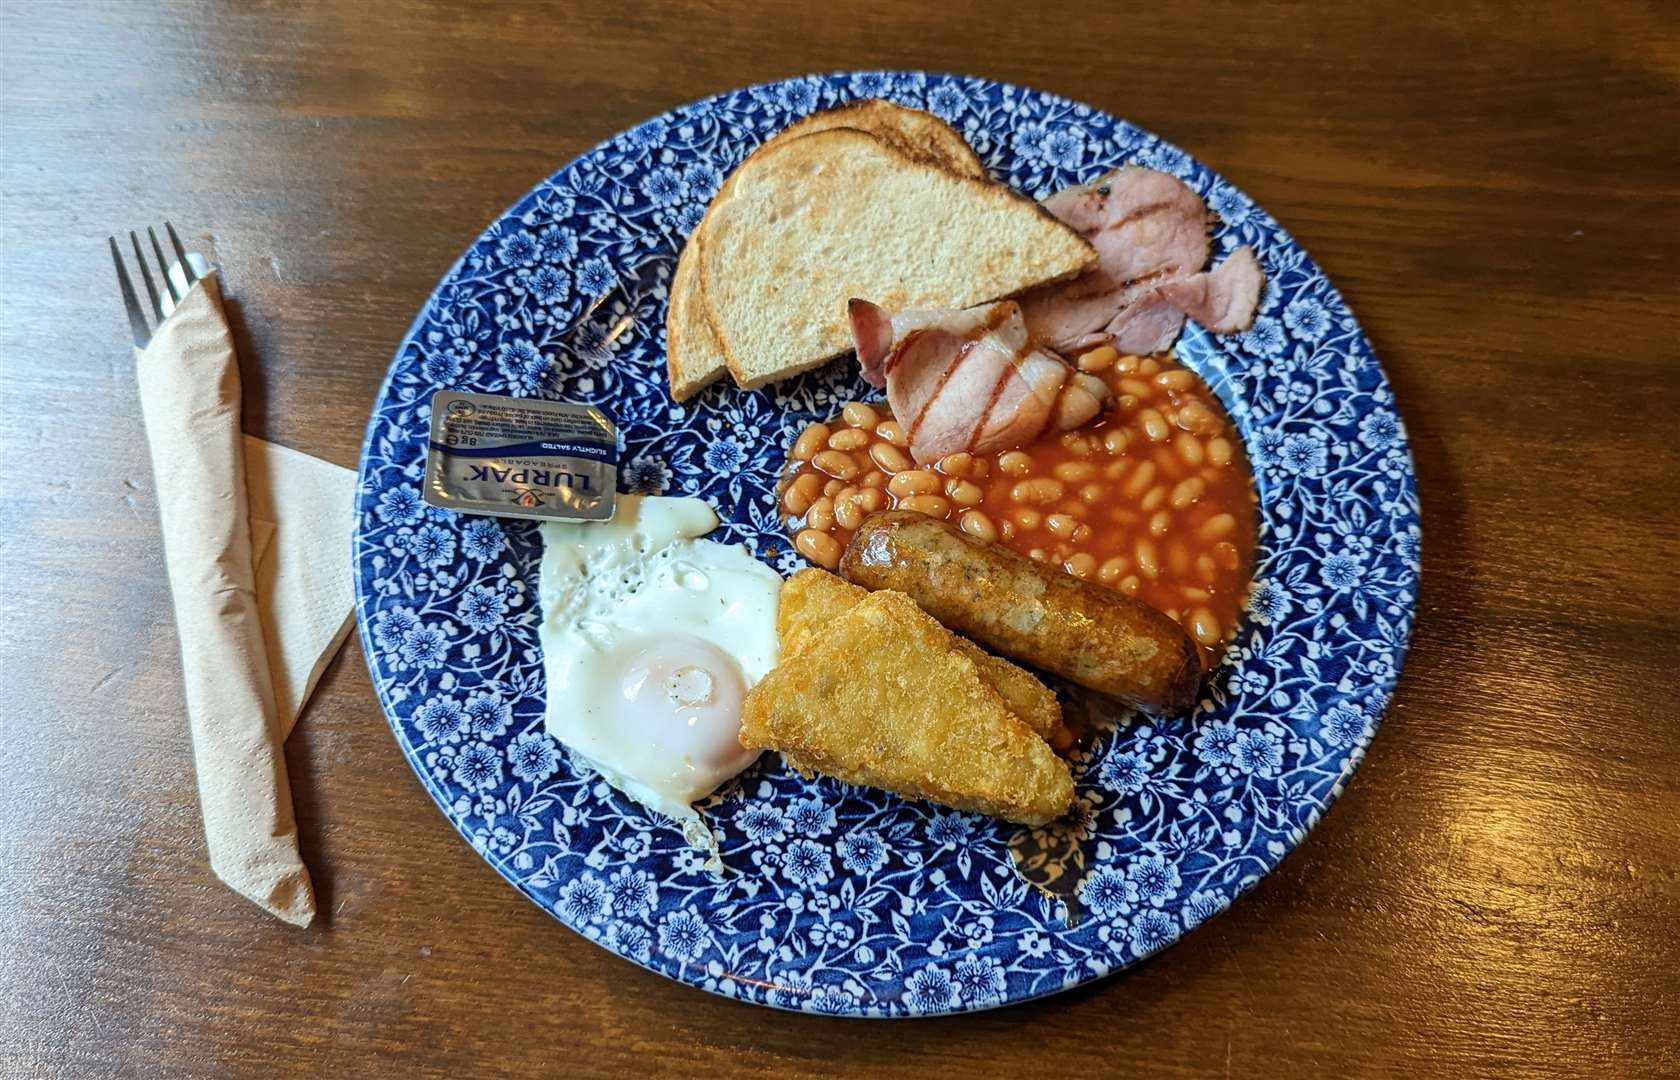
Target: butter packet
(521, 457)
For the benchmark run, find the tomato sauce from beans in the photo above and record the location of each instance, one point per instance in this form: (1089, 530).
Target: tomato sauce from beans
(1155, 498)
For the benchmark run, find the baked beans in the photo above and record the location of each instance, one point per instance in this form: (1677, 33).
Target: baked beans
(1040, 489)
(810, 440)
(835, 463)
(820, 516)
(859, 415)
(1014, 463)
(889, 458)
(849, 439)
(976, 524)
(936, 506)
(913, 482)
(819, 547)
(848, 514)
(964, 492)
(800, 494)
(1099, 359)
(1153, 499)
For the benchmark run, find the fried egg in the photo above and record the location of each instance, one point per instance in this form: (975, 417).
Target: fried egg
(651, 638)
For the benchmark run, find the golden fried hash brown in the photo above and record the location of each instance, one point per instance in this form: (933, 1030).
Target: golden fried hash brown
(813, 598)
(884, 697)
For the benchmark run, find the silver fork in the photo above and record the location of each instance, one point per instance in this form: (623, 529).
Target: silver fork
(137, 322)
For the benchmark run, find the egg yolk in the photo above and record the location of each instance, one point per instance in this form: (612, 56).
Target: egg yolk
(685, 695)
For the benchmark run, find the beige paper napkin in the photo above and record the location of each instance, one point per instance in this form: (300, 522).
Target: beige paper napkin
(302, 514)
(235, 655)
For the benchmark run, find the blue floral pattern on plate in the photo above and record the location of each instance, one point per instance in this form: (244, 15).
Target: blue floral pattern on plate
(840, 899)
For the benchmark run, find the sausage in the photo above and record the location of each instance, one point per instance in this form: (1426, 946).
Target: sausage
(1097, 637)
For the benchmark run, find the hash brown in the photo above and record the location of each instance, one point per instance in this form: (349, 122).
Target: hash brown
(811, 599)
(885, 699)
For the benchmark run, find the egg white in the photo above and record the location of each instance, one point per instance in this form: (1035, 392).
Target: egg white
(611, 589)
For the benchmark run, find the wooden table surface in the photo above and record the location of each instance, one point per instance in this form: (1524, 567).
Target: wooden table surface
(1493, 187)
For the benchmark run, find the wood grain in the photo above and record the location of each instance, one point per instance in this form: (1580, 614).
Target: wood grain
(1493, 187)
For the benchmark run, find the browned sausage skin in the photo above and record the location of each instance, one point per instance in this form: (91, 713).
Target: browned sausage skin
(1097, 637)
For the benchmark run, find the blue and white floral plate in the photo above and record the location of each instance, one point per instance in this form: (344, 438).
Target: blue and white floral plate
(840, 899)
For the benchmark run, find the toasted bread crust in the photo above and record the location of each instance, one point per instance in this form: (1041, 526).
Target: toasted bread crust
(692, 359)
(912, 132)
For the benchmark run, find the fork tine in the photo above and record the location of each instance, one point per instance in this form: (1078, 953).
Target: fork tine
(181, 254)
(146, 276)
(163, 265)
(136, 317)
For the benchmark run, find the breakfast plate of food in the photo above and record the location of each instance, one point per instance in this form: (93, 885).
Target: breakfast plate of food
(885, 544)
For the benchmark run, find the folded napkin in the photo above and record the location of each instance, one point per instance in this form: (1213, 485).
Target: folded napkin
(302, 512)
(256, 539)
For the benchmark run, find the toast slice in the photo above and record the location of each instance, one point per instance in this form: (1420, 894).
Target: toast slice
(812, 599)
(823, 217)
(884, 698)
(693, 358)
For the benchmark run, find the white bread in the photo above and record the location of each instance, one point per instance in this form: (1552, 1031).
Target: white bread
(817, 219)
(693, 358)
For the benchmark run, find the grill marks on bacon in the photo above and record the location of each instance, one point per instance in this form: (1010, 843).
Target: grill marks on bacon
(969, 380)
(1150, 233)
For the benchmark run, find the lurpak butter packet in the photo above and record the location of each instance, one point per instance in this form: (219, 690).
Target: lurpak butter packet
(520, 457)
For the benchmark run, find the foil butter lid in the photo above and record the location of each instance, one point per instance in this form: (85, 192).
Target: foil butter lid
(521, 457)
